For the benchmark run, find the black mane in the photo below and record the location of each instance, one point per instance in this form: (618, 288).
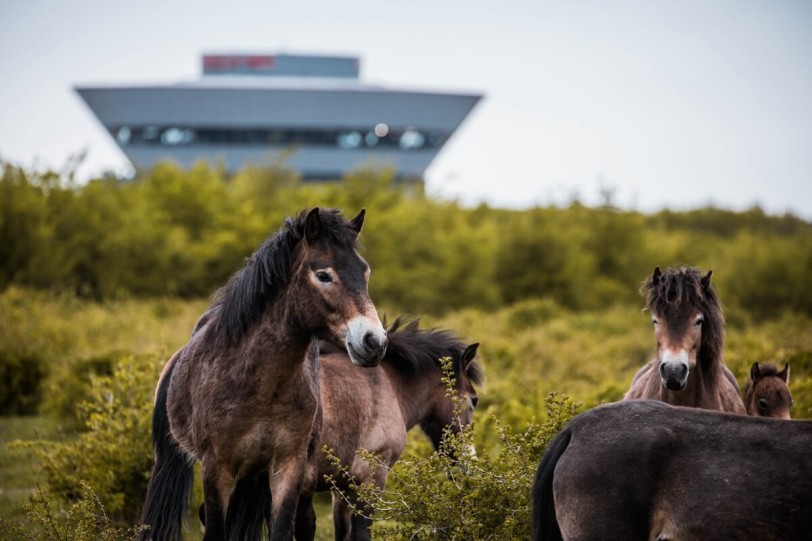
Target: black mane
(679, 291)
(242, 300)
(414, 351)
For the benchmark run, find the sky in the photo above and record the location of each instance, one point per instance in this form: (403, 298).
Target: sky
(660, 104)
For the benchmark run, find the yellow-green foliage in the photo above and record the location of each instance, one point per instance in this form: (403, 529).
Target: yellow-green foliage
(83, 520)
(100, 283)
(113, 454)
(473, 495)
(176, 232)
(528, 350)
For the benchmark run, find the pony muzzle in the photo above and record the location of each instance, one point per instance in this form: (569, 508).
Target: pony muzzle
(366, 341)
(674, 374)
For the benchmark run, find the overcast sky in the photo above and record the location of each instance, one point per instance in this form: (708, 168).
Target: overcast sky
(670, 104)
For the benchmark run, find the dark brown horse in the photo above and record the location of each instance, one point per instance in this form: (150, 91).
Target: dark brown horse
(767, 393)
(242, 396)
(642, 470)
(372, 409)
(688, 323)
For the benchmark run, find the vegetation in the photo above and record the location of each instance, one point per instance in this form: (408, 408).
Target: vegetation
(100, 283)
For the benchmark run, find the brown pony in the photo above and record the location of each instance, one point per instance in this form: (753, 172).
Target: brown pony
(242, 396)
(372, 409)
(689, 330)
(767, 393)
(641, 470)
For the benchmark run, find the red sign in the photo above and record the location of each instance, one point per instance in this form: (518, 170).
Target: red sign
(237, 63)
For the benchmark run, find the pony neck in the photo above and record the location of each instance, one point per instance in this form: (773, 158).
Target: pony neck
(275, 338)
(417, 395)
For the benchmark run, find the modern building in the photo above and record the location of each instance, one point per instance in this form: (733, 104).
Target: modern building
(313, 111)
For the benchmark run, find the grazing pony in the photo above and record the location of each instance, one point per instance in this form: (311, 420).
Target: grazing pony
(689, 330)
(373, 409)
(242, 396)
(767, 393)
(642, 470)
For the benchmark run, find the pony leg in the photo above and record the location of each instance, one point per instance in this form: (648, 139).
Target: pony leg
(348, 525)
(361, 521)
(286, 485)
(215, 500)
(360, 527)
(341, 518)
(305, 529)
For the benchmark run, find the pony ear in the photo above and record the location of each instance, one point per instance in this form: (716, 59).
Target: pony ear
(469, 354)
(706, 280)
(755, 372)
(655, 278)
(784, 374)
(312, 227)
(358, 221)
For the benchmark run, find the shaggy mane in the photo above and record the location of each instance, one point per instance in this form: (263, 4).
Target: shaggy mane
(242, 300)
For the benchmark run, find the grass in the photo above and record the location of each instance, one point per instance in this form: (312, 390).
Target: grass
(527, 350)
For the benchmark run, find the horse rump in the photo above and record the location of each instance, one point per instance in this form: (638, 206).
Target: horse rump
(545, 524)
(170, 484)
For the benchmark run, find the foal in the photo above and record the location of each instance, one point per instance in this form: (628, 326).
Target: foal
(689, 330)
(767, 392)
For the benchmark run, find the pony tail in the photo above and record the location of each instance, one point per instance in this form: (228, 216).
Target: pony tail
(249, 510)
(170, 485)
(545, 523)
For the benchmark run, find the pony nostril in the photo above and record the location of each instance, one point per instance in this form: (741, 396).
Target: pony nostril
(683, 371)
(373, 343)
(369, 341)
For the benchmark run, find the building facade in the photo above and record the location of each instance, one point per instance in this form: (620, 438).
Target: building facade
(311, 111)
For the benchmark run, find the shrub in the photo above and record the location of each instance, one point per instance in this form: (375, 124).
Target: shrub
(76, 385)
(114, 454)
(83, 520)
(472, 496)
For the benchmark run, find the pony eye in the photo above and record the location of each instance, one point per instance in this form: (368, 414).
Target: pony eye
(324, 277)
(474, 401)
(699, 321)
(654, 322)
(762, 404)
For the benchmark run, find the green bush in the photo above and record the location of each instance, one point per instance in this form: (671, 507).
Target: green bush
(113, 455)
(76, 386)
(472, 496)
(183, 232)
(48, 520)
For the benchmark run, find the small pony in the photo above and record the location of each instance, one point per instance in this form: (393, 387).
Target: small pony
(767, 393)
(689, 369)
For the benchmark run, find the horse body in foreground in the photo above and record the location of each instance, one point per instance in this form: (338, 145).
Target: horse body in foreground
(767, 392)
(242, 396)
(688, 323)
(372, 409)
(644, 470)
